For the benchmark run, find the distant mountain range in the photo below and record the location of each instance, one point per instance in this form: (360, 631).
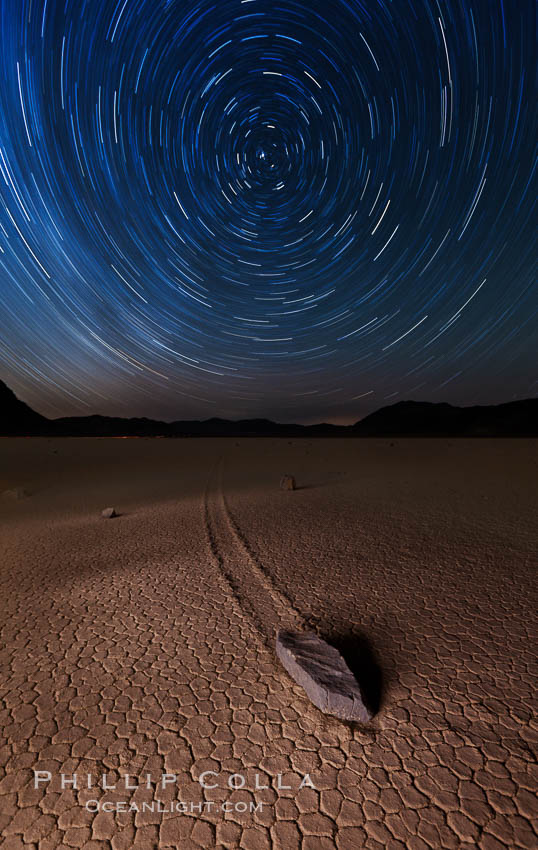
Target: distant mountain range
(404, 419)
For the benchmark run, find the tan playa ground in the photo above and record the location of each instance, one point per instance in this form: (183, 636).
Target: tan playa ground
(144, 644)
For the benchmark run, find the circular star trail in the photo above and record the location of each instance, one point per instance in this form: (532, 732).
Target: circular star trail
(300, 210)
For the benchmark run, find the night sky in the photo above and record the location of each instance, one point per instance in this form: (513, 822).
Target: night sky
(301, 210)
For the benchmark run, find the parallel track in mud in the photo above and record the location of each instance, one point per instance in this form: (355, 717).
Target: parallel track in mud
(243, 576)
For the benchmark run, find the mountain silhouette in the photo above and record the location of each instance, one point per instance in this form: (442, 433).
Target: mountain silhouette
(16, 418)
(426, 419)
(404, 419)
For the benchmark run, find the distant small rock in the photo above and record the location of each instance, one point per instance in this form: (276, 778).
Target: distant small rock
(287, 482)
(17, 493)
(109, 513)
(322, 672)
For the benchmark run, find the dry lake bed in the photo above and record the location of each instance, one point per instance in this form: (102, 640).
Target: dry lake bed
(142, 704)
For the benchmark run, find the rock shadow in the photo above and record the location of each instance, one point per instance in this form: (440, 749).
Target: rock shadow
(360, 657)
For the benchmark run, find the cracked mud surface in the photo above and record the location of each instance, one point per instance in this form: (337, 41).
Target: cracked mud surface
(144, 644)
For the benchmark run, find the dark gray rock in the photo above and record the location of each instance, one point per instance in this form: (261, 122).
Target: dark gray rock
(108, 513)
(322, 672)
(287, 482)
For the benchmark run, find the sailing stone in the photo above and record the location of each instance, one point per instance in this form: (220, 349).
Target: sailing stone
(322, 672)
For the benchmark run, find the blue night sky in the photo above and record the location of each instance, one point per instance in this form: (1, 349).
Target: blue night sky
(301, 210)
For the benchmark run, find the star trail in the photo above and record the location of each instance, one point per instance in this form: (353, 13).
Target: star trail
(302, 210)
